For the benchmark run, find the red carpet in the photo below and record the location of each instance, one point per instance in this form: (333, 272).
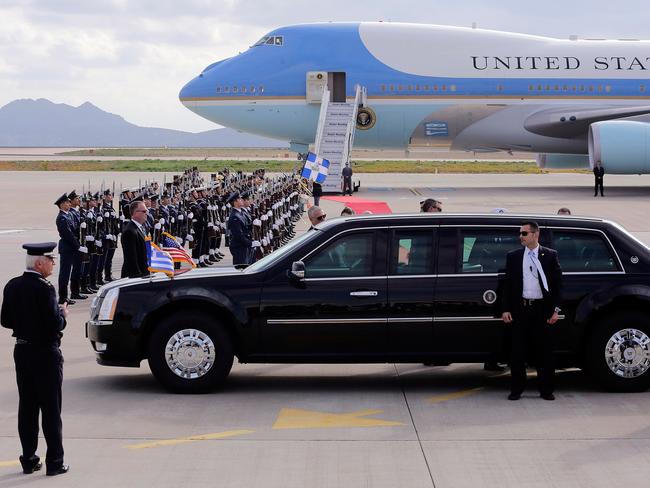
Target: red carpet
(360, 205)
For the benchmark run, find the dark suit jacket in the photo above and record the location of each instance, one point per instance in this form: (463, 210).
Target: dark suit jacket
(599, 172)
(514, 281)
(66, 227)
(135, 252)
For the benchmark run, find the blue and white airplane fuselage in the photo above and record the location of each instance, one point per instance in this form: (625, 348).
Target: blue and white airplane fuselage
(438, 86)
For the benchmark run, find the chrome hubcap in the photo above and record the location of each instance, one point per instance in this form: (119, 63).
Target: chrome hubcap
(628, 353)
(190, 353)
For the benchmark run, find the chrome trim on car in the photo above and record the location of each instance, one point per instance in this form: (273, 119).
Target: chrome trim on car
(325, 321)
(414, 320)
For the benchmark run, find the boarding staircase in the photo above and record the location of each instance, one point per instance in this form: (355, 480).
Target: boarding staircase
(335, 135)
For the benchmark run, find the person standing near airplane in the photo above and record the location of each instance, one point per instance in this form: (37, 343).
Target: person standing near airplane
(347, 179)
(317, 192)
(599, 174)
(531, 303)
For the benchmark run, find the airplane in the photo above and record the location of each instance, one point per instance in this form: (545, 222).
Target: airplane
(574, 101)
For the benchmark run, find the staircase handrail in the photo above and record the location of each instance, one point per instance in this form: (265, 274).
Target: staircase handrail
(324, 103)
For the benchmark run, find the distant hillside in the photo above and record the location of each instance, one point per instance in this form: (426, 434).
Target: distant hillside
(33, 123)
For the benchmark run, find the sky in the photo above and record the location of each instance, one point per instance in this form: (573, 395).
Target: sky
(131, 57)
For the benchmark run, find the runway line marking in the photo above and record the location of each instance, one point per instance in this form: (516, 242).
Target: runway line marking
(8, 464)
(11, 231)
(455, 395)
(192, 438)
(295, 418)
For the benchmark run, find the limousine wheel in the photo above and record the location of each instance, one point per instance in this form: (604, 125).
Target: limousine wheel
(618, 354)
(189, 353)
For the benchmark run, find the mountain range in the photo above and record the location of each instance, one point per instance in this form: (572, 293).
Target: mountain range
(42, 123)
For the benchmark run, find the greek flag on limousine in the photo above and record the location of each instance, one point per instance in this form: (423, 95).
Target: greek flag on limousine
(158, 260)
(315, 168)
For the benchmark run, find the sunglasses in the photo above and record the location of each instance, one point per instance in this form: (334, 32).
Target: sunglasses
(320, 218)
(524, 233)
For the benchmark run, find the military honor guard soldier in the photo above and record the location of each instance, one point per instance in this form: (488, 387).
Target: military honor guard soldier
(240, 237)
(30, 309)
(69, 251)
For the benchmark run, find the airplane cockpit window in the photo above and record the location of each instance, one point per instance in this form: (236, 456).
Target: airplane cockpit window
(270, 41)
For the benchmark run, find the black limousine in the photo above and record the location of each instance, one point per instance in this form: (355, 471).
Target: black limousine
(383, 288)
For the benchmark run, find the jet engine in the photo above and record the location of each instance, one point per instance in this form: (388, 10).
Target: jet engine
(562, 161)
(622, 146)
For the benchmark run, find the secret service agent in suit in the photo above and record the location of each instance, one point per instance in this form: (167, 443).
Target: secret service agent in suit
(347, 179)
(531, 302)
(133, 246)
(240, 237)
(29, 307)
(69, 249)
(599, 174)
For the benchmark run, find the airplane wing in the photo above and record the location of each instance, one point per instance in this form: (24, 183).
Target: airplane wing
(568, 122)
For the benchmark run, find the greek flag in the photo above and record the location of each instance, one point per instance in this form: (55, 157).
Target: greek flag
(315, 168)
(159, 261)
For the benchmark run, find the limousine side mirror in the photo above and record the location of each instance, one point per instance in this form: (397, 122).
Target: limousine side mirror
(297, 272)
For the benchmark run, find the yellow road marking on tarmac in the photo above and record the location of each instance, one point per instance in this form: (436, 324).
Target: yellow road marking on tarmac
(183, 440)
(8, 464)
(295, 418)
(455, 395)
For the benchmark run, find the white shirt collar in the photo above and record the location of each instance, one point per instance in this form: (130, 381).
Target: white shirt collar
(535, 250)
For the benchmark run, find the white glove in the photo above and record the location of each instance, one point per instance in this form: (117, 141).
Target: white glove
(172, 220)
(189, 237)
(181, 218)
(98, 243)
(162, 221)
(157, 226)
(257, 222)
(83, 249)
(190, 215)
(107, 214)
(83, 225)
(99, 219)
(122, 218)
(256, 244)
(114, 214)
(90, 238)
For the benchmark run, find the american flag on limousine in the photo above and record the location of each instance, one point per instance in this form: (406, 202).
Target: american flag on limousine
(175, 250)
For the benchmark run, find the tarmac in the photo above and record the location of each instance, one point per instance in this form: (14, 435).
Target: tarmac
(288, 426)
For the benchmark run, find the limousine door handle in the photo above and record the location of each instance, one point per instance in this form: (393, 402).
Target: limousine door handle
(368, 293)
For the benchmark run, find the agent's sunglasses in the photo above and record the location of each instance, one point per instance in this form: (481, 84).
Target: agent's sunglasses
(320, 218)
(524, 233)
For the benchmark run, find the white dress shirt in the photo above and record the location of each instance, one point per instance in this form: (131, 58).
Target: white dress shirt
(532, 289)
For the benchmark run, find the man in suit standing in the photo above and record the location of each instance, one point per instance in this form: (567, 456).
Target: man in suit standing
(133, 246)
(240, 238)
(599, 174)
(347, 179)
(531, 303)
(29, 308)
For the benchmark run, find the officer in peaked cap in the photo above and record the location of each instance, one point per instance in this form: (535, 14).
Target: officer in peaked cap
(240, 237)
(30, 309)
(68, 246)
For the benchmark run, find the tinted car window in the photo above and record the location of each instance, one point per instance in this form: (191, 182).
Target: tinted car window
(350, 255)
(583, 251)
(411, 252)
(484, 250)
